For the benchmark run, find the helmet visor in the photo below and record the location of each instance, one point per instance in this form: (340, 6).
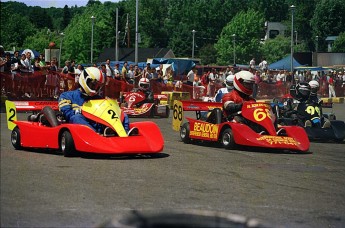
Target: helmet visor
(145, 86)
(248, 85)
(94, 85)
(229, 83)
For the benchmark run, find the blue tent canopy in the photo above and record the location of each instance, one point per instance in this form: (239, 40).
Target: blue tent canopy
(284, 64)
(179, 66)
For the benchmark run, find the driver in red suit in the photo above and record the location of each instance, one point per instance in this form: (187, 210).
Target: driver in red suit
(233, 101)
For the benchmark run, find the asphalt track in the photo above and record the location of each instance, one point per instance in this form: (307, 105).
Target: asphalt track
(45, 189)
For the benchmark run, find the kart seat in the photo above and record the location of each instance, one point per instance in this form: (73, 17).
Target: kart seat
(50, 116)
(215, 116)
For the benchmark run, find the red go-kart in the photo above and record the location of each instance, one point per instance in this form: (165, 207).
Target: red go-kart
(48, 130)
(135, 105)
(257, 130)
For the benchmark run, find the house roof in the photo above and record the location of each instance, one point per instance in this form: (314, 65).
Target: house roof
(128, 54)
(331, 38)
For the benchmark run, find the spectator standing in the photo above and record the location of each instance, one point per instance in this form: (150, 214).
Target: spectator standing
(190, 77)
(211, 87)
(263, 65)
(109, 70)
(130, 75)
(124, 71)
(331, 91)
(257, 79)
(117, 72)
(252, 64)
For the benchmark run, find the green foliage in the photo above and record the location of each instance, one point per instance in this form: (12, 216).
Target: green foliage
(77, 39)
(339, 43)
(246, 26)
(170, 23)
(328, 20)
(276, 49)
(14, 27)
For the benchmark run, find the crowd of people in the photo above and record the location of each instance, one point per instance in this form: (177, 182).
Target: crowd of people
(36, 77)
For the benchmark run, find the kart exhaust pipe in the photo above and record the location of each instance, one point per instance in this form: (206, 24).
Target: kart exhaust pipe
(50, 115)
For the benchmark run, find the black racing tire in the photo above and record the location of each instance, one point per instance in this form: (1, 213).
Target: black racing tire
(15, 139)
(167, 112)
(227, 139)
(184, 133)
(152, 112)
(67, 144)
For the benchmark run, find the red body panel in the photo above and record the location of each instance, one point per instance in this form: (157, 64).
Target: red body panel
(149, 140)
(296, 138)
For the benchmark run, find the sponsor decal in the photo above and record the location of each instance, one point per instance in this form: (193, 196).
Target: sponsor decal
(274, 140)
(205, 130)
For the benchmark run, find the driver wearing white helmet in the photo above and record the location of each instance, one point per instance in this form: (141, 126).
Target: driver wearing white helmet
(229, 86)
(243, 89)
(144, 87)
(91, 81)
(314, 88)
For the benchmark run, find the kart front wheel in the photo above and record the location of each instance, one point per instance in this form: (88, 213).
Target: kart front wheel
(15, 138)
(227, 139)
(167, 112)
(67, 144)
(184, 133)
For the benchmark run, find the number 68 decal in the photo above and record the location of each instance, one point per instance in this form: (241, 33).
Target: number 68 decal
(260, 114)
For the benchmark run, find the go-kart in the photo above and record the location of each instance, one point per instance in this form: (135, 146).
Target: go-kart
(47, 129)
(309, 115)
(258, 129)
(135, 106)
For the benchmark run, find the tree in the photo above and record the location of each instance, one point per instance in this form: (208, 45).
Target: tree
(247, 27)
(66, 17)
(275, 49)
(339, 43)
(76, 43)
(328, 20)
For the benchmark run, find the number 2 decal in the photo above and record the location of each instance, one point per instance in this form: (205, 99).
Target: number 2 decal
(113, 114)
(13, 114)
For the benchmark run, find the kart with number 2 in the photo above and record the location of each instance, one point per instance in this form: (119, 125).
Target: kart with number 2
(47, 129)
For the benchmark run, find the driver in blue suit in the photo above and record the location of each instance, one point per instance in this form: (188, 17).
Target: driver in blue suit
(91, 81)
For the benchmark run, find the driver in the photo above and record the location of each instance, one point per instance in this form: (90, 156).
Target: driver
(144, 87)
(314, 88)
(229, 86)
(243, 89)
(91, 81)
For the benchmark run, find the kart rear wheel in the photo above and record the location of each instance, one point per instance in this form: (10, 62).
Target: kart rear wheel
(184, 133)
(67, 144)
(15, 138)
(227, 139)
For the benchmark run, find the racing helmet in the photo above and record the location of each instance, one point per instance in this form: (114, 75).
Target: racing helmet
(144, 83)
(229, 82)
(302, 91)
(91, 80)
(314, 86)
(244, 82)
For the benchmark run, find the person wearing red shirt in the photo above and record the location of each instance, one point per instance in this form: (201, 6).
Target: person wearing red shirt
(243, 89)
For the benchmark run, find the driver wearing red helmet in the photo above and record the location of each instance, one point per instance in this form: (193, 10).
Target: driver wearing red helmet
(243, 89)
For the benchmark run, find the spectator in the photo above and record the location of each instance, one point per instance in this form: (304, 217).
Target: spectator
(211, 87)
(109, 70)
(263, 65)
(124, 71)
(117, 75)
(190, 77)
(130, 75)
(331, 91)
(252, 64)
